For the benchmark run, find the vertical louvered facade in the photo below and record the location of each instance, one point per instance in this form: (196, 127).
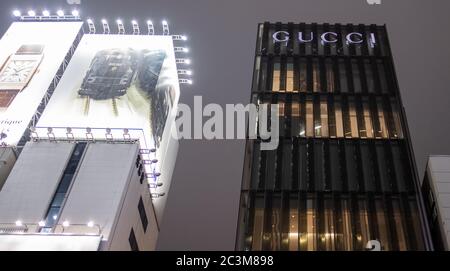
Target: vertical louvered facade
(344, 172)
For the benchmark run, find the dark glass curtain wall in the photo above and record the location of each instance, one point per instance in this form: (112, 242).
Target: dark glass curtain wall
(343, 173)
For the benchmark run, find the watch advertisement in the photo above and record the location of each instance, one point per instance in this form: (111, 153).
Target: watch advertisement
(30, 55)
(116, 82)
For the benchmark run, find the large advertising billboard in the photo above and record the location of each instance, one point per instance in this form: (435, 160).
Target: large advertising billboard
(116, 82)
(30, 55)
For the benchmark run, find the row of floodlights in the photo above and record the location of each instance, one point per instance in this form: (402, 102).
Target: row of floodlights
(66, 224)
(45, 13)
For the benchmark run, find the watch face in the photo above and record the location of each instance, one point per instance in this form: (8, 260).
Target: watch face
(17, 71)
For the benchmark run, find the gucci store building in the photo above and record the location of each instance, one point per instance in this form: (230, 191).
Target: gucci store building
(343, 176)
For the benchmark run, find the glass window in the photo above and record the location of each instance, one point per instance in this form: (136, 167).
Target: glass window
(317, 118)
(382, 76)
(335, 167)
(353, 119)
(347, 225)
(397, 122)
(316, 76)
(258, 223)
(276, 223)
(400, 231)
(65, 183)
(343, 76)
(356, 76)
(382, 118)
(330, 75)
(293, 225)
(58, 199)
(367, 119)
(295, 122)
(364, 220)
(142, 214)
(309, 119)
(369, 76)
(383, 172)
(339, 120)
(352, 168)
(276, 76)
(328, 236)
(290, 77)
(281, 117)
(263, 76)
(331, 118)
(303, 76)
(383, 227)
(133, 242)
(324, 118)
(311, 225)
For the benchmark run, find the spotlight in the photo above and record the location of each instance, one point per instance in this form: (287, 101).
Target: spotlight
(60, 13)
(75, 13)
(90, 224)
(66, 224)
(41, 223)
(188, 72)
(184, 37)
(166, 30)
(119, 21)
(89, 21)
(17, 13)
(186, 50)
(46, 13)
(190, 82)
(19, 223)
(31, 13)
(106, 29)
(187, 61)
(136, 29)
(120, 27)
(150, 28)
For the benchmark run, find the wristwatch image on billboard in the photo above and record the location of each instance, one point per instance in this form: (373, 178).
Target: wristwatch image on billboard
(17, 72)
(112, 72)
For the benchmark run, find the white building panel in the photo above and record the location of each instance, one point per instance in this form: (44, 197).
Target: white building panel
(439, 176)
(33, 181)
(100, 185)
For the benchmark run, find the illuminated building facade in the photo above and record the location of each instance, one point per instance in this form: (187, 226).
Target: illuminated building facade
(343, 174)
(98, 177)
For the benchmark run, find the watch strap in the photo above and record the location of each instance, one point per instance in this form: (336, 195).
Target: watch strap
(30, 49)
(6, 97)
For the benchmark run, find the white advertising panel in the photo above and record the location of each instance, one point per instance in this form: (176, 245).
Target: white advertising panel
(116, 82)
(30, 56)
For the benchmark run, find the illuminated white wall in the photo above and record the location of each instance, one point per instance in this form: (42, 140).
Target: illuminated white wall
(57, 38)
(67, 109)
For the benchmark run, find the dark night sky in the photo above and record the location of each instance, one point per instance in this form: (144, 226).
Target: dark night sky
(203, 202)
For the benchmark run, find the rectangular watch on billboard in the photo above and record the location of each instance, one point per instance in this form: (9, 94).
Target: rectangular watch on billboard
(30, 55)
